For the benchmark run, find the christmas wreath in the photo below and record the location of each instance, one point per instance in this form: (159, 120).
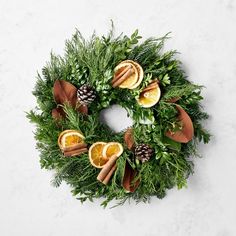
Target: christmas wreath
(144, 160)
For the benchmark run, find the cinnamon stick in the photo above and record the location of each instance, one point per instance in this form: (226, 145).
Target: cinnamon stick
(75, 152)
(151, 86)
(107, 178)
(106, 169)
(116, 77)
(75, 147)
(128, 73)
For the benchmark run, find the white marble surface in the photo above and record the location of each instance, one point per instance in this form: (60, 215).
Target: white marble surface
(205, 34)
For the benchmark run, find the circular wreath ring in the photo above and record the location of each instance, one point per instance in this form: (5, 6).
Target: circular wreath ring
(145, 160)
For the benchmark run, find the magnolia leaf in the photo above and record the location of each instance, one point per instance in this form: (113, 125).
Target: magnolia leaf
(64, 92)
(129, 138)
(58, 113)
(82, 109)
(130, 181)
(186, 133)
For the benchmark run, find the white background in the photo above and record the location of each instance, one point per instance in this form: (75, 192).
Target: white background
(205, 34)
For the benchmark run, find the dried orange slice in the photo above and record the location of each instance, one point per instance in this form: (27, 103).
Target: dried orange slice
(111, 149)
(95, 155)
(150, 97)
(140, 73)
(132, 79)
(68, 138)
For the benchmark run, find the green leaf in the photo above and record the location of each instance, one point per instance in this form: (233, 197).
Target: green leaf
(134, 35)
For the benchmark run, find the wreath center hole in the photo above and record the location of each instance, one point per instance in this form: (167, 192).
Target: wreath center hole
(116, 118)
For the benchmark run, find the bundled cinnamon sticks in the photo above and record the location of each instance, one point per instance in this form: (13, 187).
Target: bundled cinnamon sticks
(152, 85)
(107, 171)
(129, 183)
(122, 75)
(75, 150)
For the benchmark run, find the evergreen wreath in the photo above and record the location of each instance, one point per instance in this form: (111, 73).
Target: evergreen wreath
(153, 155)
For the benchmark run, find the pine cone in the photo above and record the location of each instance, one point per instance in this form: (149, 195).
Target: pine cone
(86, 94)
(143, 152)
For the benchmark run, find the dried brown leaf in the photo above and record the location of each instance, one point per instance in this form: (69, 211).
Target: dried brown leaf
(58, 113)
(186, 133)
(65, 92)
(82, 109)
(129, 138)
(128, 182)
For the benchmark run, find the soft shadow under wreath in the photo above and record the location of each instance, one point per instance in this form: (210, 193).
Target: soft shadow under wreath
(144, 160)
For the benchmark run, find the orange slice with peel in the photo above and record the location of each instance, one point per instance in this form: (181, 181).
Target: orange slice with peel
(132, 79)
(140, 73)
(111, 149)
(68, 138)
(150, 97)
(95, 155)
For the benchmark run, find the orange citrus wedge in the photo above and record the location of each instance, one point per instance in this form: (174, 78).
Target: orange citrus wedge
(69, 138)
(150, 97)
(95, 155)
(111, 149)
